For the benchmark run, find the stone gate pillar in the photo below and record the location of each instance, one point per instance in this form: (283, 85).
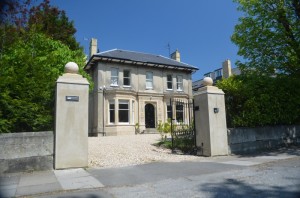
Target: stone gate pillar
(71, 119)
(210, 118)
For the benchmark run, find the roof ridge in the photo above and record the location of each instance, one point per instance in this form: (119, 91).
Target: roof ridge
(146, 53)
(106, 51)
(177, 61)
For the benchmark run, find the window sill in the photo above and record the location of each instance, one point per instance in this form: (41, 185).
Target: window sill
(127, 86)
(114, 85)
(123, 123)
(149, 88)
(169, 89)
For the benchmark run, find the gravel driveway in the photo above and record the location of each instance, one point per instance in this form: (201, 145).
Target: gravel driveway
(118, 151)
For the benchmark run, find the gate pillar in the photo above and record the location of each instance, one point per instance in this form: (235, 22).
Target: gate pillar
(71, 119)
(210, 118)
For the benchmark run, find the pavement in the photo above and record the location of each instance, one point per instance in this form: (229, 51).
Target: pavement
(171, 175)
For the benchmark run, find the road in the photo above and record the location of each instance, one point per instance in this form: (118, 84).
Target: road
(279, 178)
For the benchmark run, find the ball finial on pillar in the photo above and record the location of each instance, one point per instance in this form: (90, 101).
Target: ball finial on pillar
(207, 81)
(71, 68)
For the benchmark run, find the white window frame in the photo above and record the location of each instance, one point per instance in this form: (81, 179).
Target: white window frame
(179, 83)
(149, 80)
(114, 77)
(170, 82)
(127, 77)
(121, 101)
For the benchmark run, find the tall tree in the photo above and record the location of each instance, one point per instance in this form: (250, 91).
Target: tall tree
(29, 69)
(23, 15)
(268, 36)
(35, 44)
(54, 23)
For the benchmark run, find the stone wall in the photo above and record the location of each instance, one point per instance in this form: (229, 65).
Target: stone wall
(248, 140)
(26, 151)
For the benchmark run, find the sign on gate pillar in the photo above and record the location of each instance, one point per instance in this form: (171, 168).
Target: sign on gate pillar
(210, 117)
(71, 119)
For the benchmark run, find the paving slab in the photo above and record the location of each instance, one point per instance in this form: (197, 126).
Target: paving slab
(38, 189)
(37, 178)
(8, 185)
(76, 179)
(71, 173)
(8, 190)
(157, 171)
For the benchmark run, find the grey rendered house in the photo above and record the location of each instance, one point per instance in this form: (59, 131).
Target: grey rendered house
(133, 88)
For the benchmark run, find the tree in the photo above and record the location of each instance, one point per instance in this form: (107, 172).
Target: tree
(268, 36)
(54, 23)
(36, 42)
(29, 69)
(23, 15)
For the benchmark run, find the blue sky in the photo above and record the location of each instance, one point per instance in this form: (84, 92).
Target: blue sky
(199, 29)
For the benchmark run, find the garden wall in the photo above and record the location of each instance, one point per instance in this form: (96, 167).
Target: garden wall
(29, 151)
(249, 140)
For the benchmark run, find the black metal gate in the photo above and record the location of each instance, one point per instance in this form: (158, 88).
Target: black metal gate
(183, 125)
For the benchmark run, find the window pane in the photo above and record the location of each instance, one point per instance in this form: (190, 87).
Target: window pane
(149, 84)
(169, 111)
(149, 80)
(114, 76)
(126, 77)
(126, 73)
(123, 116)
(169, 82)
(179, 113)
(149, 76)
(111, 113)
(179, 83)
(127, 81)
(114, 80)
(123, 106)
(169, 85)
(123, 111)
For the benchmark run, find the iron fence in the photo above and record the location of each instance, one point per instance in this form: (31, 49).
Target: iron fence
(183, 132)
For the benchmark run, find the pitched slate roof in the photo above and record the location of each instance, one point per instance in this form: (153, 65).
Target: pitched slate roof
(138, 58)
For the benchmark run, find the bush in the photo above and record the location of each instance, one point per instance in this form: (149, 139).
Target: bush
(253, 101)
(29, 70)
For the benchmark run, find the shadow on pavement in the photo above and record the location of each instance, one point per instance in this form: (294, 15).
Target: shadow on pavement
(235, 188)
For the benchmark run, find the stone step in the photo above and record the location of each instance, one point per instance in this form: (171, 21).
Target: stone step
(150, 131)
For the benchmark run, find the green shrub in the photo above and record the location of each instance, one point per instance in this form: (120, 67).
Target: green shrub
(253, 101)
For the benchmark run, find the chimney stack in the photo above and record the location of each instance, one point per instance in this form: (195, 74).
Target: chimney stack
(176, 55)
(226, 66)
(93, 47)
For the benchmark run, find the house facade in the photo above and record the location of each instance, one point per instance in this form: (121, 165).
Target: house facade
(133, 88)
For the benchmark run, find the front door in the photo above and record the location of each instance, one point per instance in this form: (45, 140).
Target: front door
(149, 116)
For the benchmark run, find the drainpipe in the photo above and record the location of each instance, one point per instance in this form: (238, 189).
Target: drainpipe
(103, 109)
